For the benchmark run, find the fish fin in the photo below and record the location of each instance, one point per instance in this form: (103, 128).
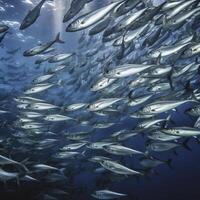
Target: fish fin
(22, 164)
(62, 171)
(197, 139)
(164, 20)
(185, 144)
(58, 40)
(158, 59)
(83, 153)
(169, 77)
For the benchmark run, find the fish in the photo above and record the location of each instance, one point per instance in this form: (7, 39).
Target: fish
(107, 194)
(6, 161)
(121, 150)
(179, 8)
(44, 167)
(161, 146)
(41, 106)
(169, 50)
(130, 35)
(161, 106)
(75, 7)
(57, 118)
(98, 159)
(91, 18)
(32, 16)
(129, 20)
(102, 83)
(27, 99)
(43, 47)
(102, 104)
(118, 168)
(98, 145)
(150, 123)
(31, 125)
(152, 162)
(59, 57)
(181, 131)
(126, 70)
(75, 106)
(160, 136)
(43, 78)
(6, 176)
(179, 20)
(38, 88)
(102, 25)
(73, 146)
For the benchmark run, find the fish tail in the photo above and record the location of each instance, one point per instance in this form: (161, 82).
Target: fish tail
(22, 164)
(62, 171)
(58, 40)
(185, 144)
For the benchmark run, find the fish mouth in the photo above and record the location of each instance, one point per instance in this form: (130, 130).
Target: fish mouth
(26, 54)
(22, 26)
(69, 29)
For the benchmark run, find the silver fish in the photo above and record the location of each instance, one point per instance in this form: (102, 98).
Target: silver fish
(91, 18)
(42, 48)
(118, 168)
(57, 118)
(121, 150)
(182, 131)
(107, 194)
(161, 106)
(60, 57)
(102, 103)
(127, 70)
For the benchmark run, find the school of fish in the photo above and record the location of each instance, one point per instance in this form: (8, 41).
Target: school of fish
(136, 63)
